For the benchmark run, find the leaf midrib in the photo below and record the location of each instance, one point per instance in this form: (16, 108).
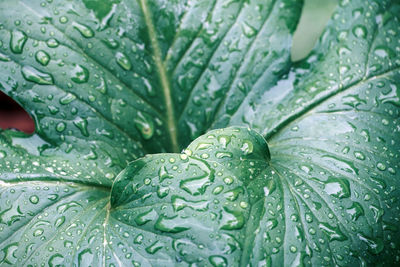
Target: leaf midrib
(162, 73)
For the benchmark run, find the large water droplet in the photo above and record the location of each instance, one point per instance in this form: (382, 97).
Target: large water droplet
(68, 98)
(34, 199)
(170, 224)
(4, 57)
(338, 188)
(334, 233)
(153, 248)
(79, 74)
(82, 125)
(248, 30)
(33, 75)
(56, 260)
(375, 245)
(218, 261)
(360, 31)
(355, 211)
(196, 185)
(163, 174)
(146, 217)
(42, 57)
(84, 30)
(123, 61)
(17, 41)
(232, 220)
(85, 257)
(179, 203)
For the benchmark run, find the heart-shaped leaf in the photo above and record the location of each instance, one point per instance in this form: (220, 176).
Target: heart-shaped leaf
(108, 82)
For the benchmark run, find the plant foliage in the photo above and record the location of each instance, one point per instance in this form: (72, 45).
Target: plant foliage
(304, 169)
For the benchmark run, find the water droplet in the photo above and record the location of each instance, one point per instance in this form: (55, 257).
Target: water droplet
(233, 194)
(228, 180)
(218, 261)
(42, 57)
(84, 30)
(56, 260)
(17, 41)
(179, 203)
(197, 185)
(138, 239)
(63, 19)
(355, 211)
(145, 124)
(247, 147)
(52, 43)
(146, 217)
(34, 199)
(221, 155)
(9, 254)
(123, 61)
(163, 174)
(33, 75)
(360, 31)
(271, 224)
(85, 257)
(218, 190)
(378, 213)
(38, 232)
(334, 233)
(224, 140)
(170, 224)
(162, 191)
(338, 188)
(153, 248)
(359, 155)
(79, 74)
(4, 57)
(248, 30)
(269, 188)
(60, 221)
(3, 154)
(381, 166)
(68, 98)
(81, 124)
(60, 127)
(232, 220)
(293, 249)
(375, 245)
(111, 43)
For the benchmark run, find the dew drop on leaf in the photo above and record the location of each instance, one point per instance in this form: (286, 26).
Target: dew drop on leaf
(145, 124)
(218, 261)
(82, 125)
(52, 43)
(84, 30)
(123, 61)
(33, 75)
(337, 187)
(79, 74)
(17, 41)
(170, 224)
(42, 57)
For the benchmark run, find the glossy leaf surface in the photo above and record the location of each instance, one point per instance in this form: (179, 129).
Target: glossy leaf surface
(108, 82)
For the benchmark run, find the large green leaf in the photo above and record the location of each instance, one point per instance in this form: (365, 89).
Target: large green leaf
(110, 81)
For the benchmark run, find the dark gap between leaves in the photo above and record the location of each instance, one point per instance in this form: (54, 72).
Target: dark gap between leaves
(12, 115)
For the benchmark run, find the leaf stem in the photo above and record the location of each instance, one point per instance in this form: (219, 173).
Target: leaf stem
(165, 84)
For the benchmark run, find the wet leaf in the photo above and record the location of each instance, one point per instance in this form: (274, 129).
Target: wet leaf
(315, 182)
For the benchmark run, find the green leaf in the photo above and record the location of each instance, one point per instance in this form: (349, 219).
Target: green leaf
(108, 82)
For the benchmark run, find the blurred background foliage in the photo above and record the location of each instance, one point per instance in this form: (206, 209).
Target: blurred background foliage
(315, 15)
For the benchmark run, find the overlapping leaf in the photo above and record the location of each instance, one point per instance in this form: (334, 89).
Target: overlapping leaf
(110, 81)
